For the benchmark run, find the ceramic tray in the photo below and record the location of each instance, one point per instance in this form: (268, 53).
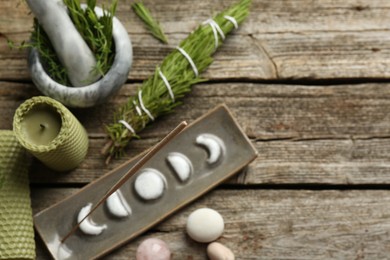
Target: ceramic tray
(209, 166)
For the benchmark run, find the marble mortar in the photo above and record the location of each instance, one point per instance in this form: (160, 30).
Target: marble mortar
(95, 93)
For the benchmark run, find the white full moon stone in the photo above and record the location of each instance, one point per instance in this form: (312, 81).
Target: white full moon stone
(205, 225)
(150, 184)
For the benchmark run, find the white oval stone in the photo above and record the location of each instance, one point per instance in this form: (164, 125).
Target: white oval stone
(205, 225)
(153, 249)
(150, 184)
(217, 251)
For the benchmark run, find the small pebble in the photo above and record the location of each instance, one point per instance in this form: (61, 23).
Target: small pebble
(153, 249)
(205, 225)
(217, 251)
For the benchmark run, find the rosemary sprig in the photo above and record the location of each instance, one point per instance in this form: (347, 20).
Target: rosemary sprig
(97, 32)
(152, 24)
(200, 46)
(50, 61)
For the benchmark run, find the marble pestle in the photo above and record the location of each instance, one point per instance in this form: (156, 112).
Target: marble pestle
(71, 49)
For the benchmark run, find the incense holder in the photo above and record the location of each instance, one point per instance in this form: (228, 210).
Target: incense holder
(94, 93)
(130, 210)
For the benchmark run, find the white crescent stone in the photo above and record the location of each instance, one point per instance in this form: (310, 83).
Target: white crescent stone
(214, 146)
(88, 227)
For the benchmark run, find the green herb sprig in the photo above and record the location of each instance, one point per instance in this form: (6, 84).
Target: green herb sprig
(200, 46)
(151, 23)
(97, 32)
(50, 60)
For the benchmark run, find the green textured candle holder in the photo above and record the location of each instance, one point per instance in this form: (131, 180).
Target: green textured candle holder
(16, 223)
(67, 149)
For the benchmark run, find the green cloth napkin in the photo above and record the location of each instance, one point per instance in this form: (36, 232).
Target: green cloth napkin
(16, 223)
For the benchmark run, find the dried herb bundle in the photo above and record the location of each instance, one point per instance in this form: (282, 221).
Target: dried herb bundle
(154, 96)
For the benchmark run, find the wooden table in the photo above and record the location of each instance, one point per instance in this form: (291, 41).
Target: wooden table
(309, 83)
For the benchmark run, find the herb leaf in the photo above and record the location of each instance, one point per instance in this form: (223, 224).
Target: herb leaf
(152, 24)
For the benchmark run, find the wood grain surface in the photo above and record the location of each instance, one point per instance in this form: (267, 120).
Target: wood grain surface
(308, 81)
(275, 224)
(282, 39)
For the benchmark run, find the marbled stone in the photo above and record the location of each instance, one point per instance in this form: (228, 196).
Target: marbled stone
(153, 249)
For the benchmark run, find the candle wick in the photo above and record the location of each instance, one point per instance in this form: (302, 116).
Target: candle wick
(42, 126)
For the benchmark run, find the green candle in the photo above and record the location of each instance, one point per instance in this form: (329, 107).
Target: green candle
(41, 125)
(50, 132)
(16, 221)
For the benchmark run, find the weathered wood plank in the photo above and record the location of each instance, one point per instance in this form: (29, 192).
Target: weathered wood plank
(266, 16)
(327, 55)
(265, 111)
(336, 162)
(297, 39)
(274, 224)
(304, 134)
(240, 58)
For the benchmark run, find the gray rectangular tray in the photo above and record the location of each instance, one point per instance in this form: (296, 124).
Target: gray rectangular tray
(53, 223)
